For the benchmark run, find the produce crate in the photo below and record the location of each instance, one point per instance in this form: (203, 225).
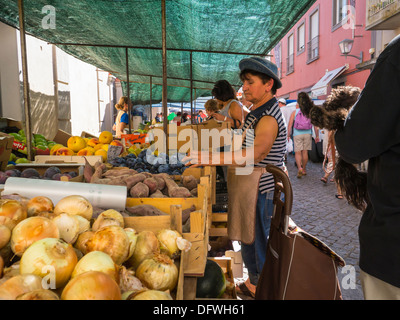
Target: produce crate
(64, 167)
(130, 139)
(195, 259)
(68, 159)
(218, 224)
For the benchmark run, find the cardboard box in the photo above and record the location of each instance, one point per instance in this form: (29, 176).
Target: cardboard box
(62, 137)
(6, 145)
(85, 134)
(68, 159)
(133, 138)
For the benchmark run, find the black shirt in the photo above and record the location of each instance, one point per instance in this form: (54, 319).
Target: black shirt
(372, 131)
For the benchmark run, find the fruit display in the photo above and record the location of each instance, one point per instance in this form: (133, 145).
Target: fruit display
(71, 250)
(41, 146)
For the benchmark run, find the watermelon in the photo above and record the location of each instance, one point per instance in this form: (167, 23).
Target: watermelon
(213, 283)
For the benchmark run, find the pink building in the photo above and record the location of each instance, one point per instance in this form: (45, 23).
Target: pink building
(309, 57)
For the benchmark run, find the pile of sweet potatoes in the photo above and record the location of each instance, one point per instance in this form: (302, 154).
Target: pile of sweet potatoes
(144, 184)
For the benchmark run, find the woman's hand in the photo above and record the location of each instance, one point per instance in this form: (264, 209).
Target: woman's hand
(218, 116)
(198, 158)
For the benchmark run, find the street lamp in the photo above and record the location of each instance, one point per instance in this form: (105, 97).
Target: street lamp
(345, 48)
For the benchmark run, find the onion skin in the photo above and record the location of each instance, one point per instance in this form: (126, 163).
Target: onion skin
(18, 285)
(1, 266)
(5, 236)
(158, 273)
(91, 285)
(75, 204)
(96, 261)
(49, 252)
(42, 294)
(108, 214)
(39, 204)
(81, 242)
(68, 226)
(112, 240)
(30, 230)
(168, 245)
(11, 212)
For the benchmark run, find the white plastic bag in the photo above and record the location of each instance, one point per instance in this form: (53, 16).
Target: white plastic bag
(289, 146)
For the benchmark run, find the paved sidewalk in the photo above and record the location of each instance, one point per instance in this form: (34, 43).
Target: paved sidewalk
(333, 221)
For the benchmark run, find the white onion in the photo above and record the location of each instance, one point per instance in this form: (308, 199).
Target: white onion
(128, 281)
(84, 224)
(91, 285)
(147, 295)
(11, 212)
(41, 294)
(112, 240)
(75, 204)
(96, 261)
(146, 246)
(158, 273)
(81, 242)
(171, 242)
(104, 219)
(30, 230)
(68, 226)
(5, 236)
(18, 285)
(132, 235)
(39, 204)
(50, 258)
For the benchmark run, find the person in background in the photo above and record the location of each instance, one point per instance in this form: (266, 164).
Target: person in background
(122, 119)
(230, 109)
(200, 118)
(211, 107)
(302, 132)
(157, 118)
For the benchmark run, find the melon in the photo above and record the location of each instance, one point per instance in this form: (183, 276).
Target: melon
(213, 283)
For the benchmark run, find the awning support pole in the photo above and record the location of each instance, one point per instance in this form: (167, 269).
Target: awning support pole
(164, 69)
(151, 98)
(191, 90)
(128, 93)
(27, 100)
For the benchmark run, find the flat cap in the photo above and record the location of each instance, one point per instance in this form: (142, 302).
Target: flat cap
(261, 65)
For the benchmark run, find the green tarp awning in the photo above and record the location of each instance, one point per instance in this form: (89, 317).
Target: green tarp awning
(214, 32)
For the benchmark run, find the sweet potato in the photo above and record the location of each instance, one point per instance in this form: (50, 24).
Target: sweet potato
(189, 182)
(98, 173)
(193, 192)
(152, 184)
(174, 191)
(160, 182)
(158, 194)
(139, 190)
(118, 172)
(134, 179)
(144, 210)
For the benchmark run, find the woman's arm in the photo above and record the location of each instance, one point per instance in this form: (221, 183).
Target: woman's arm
(290, 125)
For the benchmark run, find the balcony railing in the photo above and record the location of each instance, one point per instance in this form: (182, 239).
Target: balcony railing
(382, 14)
(375, 6)
(313, 49)
(290, 64)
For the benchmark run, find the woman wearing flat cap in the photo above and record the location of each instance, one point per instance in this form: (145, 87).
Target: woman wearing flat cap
(249, 185)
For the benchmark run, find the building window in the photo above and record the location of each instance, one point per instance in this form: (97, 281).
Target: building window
(290, 57)
(301, 38)
(313, 44)
(339, 13)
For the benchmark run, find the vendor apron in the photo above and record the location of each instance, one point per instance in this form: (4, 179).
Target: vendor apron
(242, 203)
(242, 200)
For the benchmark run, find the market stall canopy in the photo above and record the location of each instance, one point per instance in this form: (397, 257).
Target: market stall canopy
(212, 36)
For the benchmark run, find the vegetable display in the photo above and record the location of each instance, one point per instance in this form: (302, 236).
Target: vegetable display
(70, 251)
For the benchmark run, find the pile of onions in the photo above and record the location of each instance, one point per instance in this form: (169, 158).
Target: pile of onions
(20, 284)
(74, 205)
(50, 258)
(68, 226)
(39, 204)
(96, 261)
(171, 243)
(81, 242)
(158, 272)
(11, 212)
(112, 240)
(30, 230)
(91, 285)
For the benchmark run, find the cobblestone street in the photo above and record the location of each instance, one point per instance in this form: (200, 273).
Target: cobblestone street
(333, 221)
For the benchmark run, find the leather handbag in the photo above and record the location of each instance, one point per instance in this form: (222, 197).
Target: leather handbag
(298, 266)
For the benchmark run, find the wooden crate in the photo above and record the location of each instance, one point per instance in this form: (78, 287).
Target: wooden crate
(218, 218)
(195, 259)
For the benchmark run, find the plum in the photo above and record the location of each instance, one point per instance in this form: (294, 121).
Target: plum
(30, 173)
(13, 173)
(51, 171)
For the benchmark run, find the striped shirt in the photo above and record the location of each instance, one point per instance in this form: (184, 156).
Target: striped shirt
(277, 152)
